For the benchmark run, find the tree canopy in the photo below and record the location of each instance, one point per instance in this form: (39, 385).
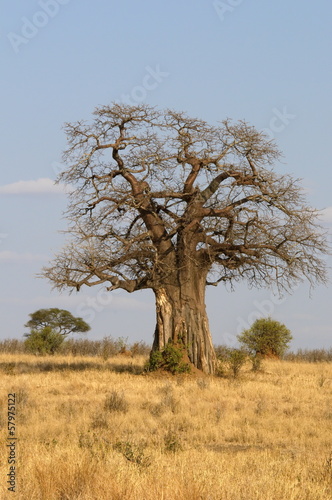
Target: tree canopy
(59, 320)
(266, 337)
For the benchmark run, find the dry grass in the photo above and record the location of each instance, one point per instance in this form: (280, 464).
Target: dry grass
(90, 429)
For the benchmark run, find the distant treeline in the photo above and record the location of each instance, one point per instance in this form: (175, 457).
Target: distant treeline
(310, 355)
(109, 346)
(105, 348)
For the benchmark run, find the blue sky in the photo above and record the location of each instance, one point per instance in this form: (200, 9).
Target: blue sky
(263, 61)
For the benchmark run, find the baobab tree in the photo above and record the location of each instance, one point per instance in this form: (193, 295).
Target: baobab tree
(166, 202)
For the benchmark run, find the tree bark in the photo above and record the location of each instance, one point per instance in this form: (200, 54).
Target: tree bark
(181, 318)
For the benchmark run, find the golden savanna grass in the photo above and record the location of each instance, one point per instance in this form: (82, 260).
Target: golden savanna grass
(92, 429)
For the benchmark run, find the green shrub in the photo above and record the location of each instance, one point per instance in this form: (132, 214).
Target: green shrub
(256, 360)
(173, 359)
(266, 337)
(233, 359)
(155, 361)
(45, 341)
(236, 359)
(170, 359)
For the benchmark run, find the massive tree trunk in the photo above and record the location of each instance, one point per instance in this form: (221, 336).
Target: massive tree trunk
(181, 317)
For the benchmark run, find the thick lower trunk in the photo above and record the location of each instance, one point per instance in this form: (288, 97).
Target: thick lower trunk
(181, 316)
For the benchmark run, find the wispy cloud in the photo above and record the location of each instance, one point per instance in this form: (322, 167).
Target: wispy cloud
(17, 258)
(38, 186)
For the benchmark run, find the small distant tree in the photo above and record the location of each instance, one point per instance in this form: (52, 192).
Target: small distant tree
(44, 341)
(59, 320)
(266, 337)
(48, 329)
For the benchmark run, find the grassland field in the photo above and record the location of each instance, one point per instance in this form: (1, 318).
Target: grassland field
(92, 429)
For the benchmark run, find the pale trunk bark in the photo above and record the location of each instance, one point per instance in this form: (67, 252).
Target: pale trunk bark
(181, 315)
